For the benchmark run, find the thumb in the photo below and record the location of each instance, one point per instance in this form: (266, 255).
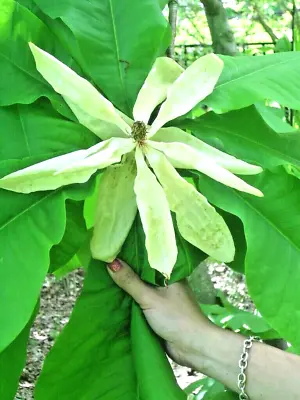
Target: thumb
(129, 281)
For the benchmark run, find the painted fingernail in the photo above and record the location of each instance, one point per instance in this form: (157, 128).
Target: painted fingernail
(115, 266)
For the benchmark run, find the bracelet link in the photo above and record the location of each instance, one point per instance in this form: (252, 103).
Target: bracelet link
(243, 364)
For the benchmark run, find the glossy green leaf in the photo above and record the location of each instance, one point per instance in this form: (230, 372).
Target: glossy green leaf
(104, 31)
(142, 338)
(90, 204)
(183, 156)
(248, 80)
(30, 224)
(99, 335)
(198, 222)
(275, 118)
(74, 236)
(22, 83)
(194, 85)
(155, 89)
(256, 142)
(85, 101)
(36, 129)
(115, 210)
(236, 228)
(12, 362)
(209, 389)
(156, 218)
(236, 319)
(272, 271)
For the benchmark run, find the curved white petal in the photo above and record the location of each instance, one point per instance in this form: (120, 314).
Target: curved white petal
(42, 176)
(156, 219)
(116, 210)
(85, 101)
(227, 161)
(198, 222)
(103, 129)
(102, 155)
(154, 91)
(184, 156)
(196, 83)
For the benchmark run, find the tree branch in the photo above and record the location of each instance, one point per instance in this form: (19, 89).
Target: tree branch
(221, 33)
(173, 10)
(261, 20)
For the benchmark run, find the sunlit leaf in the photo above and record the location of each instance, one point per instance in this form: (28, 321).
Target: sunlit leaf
(100, 36)
(273, 245)
(248, 80)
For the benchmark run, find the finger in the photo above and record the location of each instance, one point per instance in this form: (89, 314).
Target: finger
(129, 281)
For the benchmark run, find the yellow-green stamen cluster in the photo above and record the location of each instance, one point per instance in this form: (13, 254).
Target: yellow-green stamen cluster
(139, 132)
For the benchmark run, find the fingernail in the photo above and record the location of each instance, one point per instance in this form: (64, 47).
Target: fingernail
(115, 266)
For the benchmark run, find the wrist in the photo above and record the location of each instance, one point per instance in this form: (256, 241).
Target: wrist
(192, 350)
(200, 349)
(214, 349)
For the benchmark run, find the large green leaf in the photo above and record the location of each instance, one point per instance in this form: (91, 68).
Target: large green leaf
(255, 142)
(151, 366)
(272, 229)
(163, 3)
(237, 230)
(247, 80)
(115, 42)
(36, 129)
(12, 362)
(20, 82)
(74, 236)
(96, 349)
(100, 334)
(275, 118)
(30, 224)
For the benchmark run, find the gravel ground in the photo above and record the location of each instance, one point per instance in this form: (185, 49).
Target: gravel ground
(57, 301)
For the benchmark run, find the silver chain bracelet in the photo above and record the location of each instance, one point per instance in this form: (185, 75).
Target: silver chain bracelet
(243, 364)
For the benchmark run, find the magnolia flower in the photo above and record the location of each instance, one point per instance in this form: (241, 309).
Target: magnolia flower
(141, 162)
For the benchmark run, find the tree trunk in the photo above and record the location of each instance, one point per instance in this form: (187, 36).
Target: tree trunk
(221, 33)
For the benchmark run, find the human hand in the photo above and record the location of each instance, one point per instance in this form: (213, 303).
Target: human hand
(192, 340)
(172, 312)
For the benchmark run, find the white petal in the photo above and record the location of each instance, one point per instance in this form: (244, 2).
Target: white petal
(156, 219)
(154, 91)
(116, 210)
(108, 152)
(231, 163)
(198, 222)
(196, 83)
(184, 156)
(42, 176)
(85, 101)
(103, 129)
